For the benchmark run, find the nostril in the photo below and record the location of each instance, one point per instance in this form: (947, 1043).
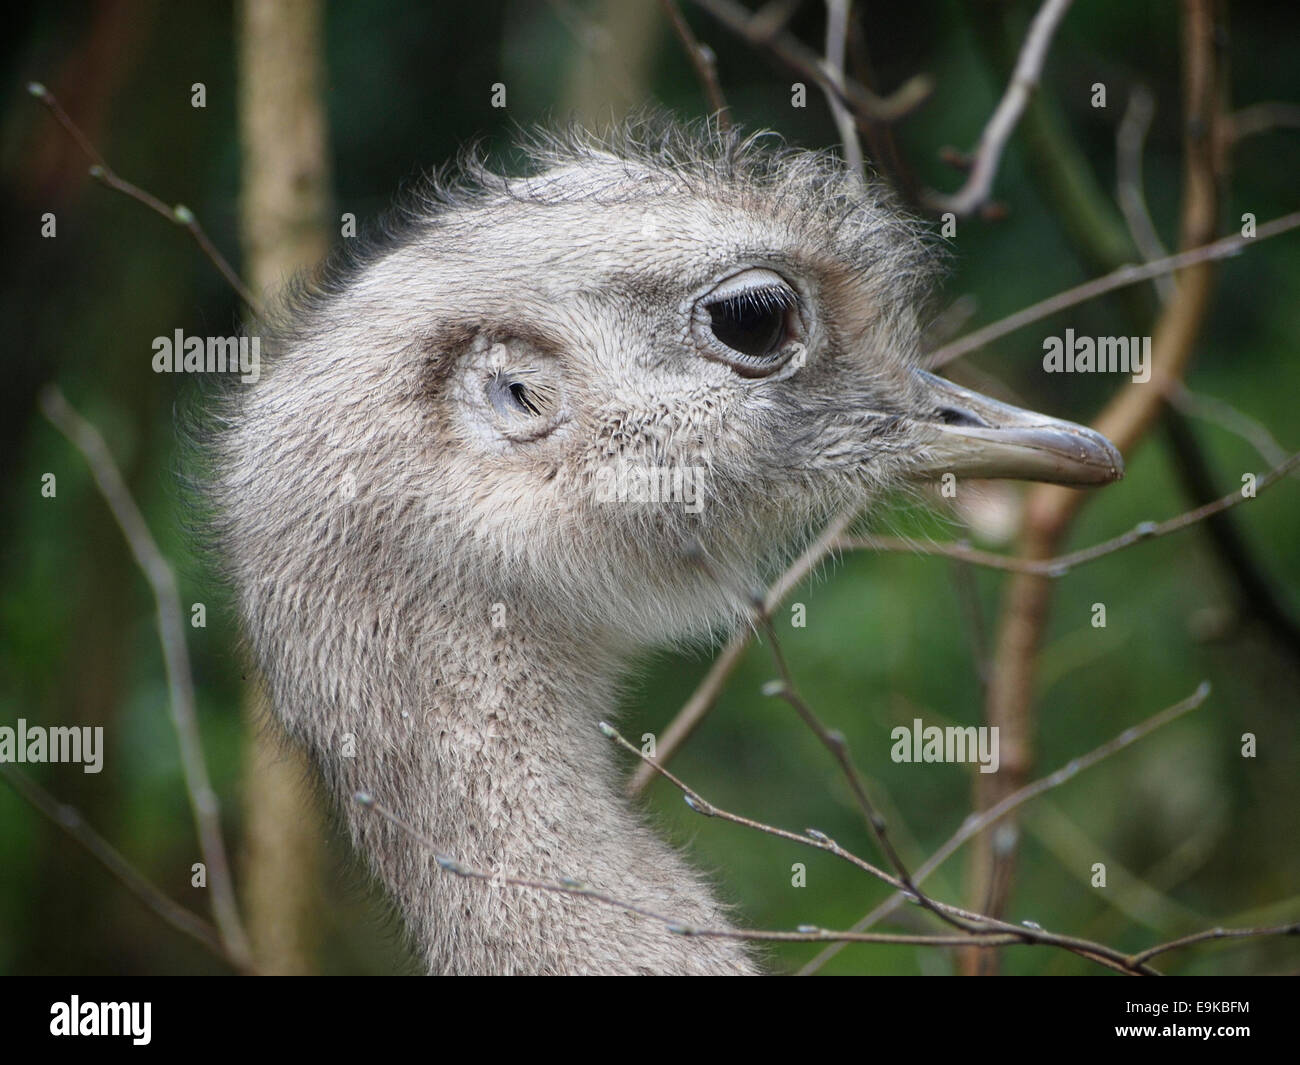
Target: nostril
(957, 416)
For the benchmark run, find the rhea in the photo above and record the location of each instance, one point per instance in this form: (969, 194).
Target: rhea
(432, 570)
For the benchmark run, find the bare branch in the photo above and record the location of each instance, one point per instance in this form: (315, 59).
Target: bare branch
(706, 693)
(179, 215)
(577, 889)
(978, 822)
(1062, 564)
(1216, 933)
(1130, 140)
(1223, 248)
(1050, 509)
(981, 923)
(1228, 417)
(180, 682)
(978, 189)
(834, 741)
(70, 820)
(832, 540)
(983, 931)
(759, 33)
(1262, 118)
(837, 37)
(703, 59)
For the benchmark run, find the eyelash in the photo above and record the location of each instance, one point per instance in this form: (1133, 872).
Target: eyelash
(759, 299)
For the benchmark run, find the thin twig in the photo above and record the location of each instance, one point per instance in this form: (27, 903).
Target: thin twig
(1262, 118)
(180, 682)
(834, 741)
(1223, 248)
(1130, 140)
(984, 925)
(577, 889)
(811, 837)
(1226, 416)
(710, 687)
(759, 34)
(1049, 510)
(978, 188)
(1292, 929)
(707, 691)
(978, 822)
(704, 60)
(837, 36)
(997, 934)
(1062, 564)
(179, 215)
(69, 819)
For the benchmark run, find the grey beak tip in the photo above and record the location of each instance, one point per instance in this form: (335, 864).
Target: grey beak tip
(1118, 469)
(1099, 461)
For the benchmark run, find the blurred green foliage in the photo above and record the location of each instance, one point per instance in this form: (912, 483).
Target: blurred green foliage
(887, 637)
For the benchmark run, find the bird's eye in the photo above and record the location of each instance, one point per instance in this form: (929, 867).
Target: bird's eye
(749, 322)
(752, 324)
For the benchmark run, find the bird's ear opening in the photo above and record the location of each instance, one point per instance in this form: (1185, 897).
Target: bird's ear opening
(511, 388)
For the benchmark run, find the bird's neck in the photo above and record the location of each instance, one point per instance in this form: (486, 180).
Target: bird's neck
(481, 735)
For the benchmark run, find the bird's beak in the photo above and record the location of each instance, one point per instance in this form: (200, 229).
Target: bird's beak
(976, 436)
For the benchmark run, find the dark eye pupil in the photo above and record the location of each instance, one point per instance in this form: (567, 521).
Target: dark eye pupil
(749, 325)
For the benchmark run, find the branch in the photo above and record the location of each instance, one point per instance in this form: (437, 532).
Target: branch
(1256, 591)
(1062, 564)
(70, 820)
(976, 823)
(1061, 169)
(704, 60)
(977, 190)
(837, 37)
(180, 682)
(1262, 118)
(811, 837)
(706, 693)
(832, 540)
(835, 743)
(1130, 139)
(996, 934)
(577, 889)
(1106, 239)
(1216, 933)
(866, 105)
(1050, 509)
(179, 215)
(1223, 248)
